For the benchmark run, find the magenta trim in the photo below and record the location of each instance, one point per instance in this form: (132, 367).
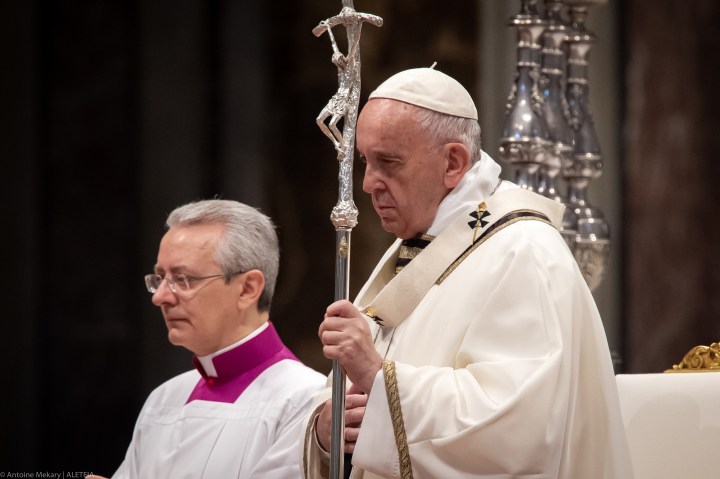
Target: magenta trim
(239, 367)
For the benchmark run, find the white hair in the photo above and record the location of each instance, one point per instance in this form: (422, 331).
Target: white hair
(442, 129)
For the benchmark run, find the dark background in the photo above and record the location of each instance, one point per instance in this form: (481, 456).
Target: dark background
(115, 112)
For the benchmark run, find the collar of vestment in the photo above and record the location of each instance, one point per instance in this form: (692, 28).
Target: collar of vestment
(389, 298)
(239, 366)
(477, 184)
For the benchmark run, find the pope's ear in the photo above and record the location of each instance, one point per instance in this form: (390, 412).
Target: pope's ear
(458, 163)
(250, 288)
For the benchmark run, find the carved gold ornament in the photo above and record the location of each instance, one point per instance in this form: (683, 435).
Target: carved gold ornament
(699, 359)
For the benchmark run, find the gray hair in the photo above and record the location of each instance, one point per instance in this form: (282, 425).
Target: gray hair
(444, 129)
(248, 242)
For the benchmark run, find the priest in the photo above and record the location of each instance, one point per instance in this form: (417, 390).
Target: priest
(475, 348)
(240, 412)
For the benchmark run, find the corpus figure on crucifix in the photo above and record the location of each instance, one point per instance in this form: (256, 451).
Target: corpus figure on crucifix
(337, 107)
(348, 66)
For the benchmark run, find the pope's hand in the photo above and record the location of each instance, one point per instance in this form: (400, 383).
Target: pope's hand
(345, 335)
(95, 477)
(355, 402)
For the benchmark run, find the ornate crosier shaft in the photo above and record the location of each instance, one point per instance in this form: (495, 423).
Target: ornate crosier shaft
(343, 106)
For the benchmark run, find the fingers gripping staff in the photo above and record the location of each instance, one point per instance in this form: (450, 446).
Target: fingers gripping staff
(343, 106)
(346, 338)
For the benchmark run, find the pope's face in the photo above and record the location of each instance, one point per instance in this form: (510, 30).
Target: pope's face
(205, 318)
(404, 172)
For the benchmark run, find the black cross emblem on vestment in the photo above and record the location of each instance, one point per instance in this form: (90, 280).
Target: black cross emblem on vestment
(478, 220)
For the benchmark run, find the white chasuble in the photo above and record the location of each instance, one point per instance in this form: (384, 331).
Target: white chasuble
(242, 422)
(500, 370)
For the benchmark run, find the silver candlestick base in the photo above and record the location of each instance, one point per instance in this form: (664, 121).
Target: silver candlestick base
(588, 234)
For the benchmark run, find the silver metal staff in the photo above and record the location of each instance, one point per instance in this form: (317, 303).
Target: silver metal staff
(343, 106)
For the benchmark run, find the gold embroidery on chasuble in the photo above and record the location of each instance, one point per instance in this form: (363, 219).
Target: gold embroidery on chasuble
(504, 222)
(409, 249)
(393, 398)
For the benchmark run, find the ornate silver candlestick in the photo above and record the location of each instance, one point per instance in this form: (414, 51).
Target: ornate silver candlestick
(548, 130)
(524, 141)
(584, 226)
(555, 110)
(343, 106)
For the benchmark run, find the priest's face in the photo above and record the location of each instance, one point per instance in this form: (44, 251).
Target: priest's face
(404, 171)
(203, 318)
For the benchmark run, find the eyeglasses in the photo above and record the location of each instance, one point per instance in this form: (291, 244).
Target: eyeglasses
(176, 282)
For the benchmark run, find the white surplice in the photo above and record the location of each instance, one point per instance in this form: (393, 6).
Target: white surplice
(179, 434)
(501, 371)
